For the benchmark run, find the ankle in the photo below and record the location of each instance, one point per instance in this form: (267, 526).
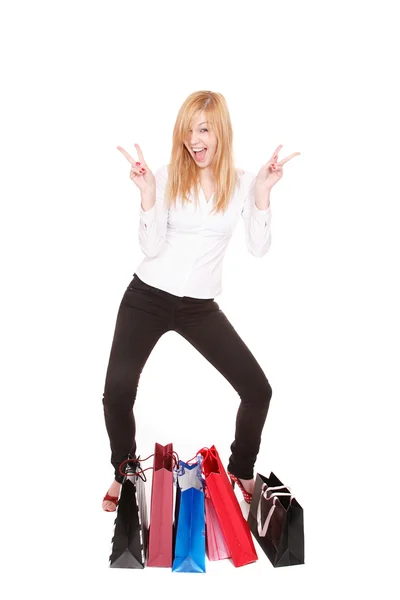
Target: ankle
(115, 485)
(248, 484)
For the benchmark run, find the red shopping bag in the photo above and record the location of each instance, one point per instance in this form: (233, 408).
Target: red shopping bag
(161, 508)
(233, 525)
(216, 547)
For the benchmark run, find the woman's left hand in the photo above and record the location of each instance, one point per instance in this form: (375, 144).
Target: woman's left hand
(272, 172)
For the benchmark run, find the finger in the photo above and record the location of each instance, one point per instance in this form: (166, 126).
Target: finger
(275, 154)
(127, 156)
(284, 160)
(136, 170)
(140, 154)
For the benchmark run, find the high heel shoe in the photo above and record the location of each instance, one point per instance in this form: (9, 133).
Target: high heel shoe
(111, 499)
(126, 472)
(246, 495)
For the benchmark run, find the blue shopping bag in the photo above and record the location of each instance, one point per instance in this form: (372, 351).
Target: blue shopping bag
(190, 540)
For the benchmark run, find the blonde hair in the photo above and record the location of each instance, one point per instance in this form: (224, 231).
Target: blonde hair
(183, 172)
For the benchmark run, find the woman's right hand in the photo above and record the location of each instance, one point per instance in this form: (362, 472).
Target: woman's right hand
(140, 173)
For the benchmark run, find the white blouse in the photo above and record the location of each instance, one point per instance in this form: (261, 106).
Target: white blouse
(184, 246)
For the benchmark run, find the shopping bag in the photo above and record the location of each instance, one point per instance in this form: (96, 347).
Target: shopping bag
(230, 517)
(276, 521)
(216, 548)
(189, 545)
(161, 508)
(130, 540)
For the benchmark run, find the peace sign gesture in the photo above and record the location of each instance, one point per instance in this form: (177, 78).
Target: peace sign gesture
(140, 173)
(272, 172)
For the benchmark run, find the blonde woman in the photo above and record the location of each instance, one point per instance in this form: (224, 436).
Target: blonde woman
(189, 209)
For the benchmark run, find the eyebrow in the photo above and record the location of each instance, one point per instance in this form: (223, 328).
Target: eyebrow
(203, 123)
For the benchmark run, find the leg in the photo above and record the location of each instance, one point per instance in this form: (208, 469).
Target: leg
(210, 332)
(138, 328)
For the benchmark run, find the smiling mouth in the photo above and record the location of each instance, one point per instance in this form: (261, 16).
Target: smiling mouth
(200, 156)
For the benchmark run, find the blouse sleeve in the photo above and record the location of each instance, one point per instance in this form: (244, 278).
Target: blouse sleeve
(153, 222)
(257, 223)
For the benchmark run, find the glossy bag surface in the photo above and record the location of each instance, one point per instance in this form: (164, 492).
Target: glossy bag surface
(189, 546)
(276, 521)
(161, 508)
(130, 540)
(230, 517)
(216, 547)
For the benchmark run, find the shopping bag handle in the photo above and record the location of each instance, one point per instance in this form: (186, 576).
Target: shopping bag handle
(139, 460)
(175, 457)
(137, 473)
(262, 529)
(207, 452)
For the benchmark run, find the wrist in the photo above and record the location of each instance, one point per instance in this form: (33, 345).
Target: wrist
(262, 198)
(148, 198)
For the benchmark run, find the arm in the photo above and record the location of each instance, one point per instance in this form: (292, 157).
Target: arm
(257, 222)
(153, 220)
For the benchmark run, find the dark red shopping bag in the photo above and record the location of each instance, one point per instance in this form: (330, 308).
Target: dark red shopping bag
(161, 508)
(234, 526)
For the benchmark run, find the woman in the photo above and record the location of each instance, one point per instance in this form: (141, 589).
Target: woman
(188, 212)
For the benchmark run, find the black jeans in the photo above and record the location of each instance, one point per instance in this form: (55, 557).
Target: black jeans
(144, 315)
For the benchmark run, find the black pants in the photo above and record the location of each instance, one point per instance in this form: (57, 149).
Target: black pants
(144, 315)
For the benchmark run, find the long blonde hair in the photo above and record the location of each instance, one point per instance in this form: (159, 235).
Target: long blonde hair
(183, 172)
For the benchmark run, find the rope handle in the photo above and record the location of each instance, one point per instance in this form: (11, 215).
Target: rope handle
(174, 455)
(205, 453)
(262, 529)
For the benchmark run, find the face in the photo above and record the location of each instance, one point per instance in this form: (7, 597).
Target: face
(201, 135)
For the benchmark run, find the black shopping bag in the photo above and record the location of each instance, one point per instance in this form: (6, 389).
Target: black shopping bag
(130, 540)
(276, 521)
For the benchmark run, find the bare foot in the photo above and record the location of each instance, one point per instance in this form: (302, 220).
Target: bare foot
(113, 491)
(248, 485)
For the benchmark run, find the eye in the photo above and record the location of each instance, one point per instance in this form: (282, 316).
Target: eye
(204, 129)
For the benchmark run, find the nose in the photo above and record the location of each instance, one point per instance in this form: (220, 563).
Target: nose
(194, 140)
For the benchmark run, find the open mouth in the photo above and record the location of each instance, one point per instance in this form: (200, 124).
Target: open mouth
(200, 154)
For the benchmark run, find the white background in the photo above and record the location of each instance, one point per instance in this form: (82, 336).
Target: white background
(319, 311)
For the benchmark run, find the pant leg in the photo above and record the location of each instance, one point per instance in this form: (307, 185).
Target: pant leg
(208, 329)
(139, 326)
